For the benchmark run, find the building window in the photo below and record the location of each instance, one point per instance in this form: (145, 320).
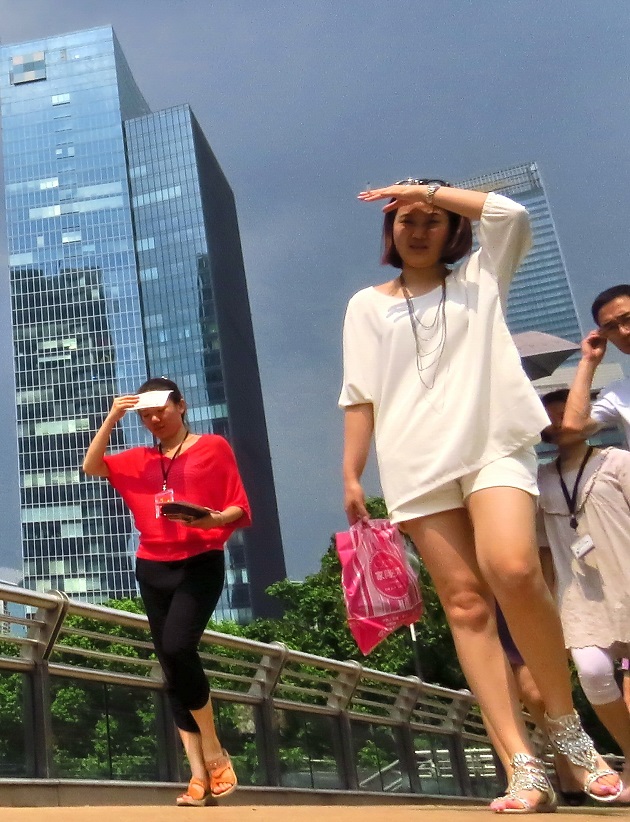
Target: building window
(75, 586)
(60, 99)
(65, 151)
(71, 237)
(25, 68)
(157, 196)
(43, 212)
(56, 513)
(69, 530)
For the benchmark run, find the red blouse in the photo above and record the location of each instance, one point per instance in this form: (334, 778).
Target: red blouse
(206, 474)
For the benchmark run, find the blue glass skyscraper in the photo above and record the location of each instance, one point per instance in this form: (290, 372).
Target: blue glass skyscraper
(125, 262)
(540, 298)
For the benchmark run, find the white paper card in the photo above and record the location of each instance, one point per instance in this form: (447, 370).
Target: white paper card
(582, 546)
(152, 399)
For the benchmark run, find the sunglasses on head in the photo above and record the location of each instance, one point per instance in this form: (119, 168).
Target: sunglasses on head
(417, 181)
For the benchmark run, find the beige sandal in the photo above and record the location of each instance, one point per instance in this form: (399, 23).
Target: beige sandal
(528, 774)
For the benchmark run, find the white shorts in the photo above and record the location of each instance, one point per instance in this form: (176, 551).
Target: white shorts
(518, 470)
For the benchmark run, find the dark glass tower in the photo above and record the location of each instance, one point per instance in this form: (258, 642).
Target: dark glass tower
(125, 262)
(540, 298)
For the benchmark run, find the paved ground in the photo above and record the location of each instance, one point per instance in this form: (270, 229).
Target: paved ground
(289, 813)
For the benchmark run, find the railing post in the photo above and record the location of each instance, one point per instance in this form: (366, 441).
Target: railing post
(401, 711)
(341, 693)
(454, 721)
(44, 629)
(41, 721)
(264, 683)
(169, 743)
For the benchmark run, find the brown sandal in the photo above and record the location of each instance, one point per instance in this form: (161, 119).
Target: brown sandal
(220, 771)
(196, 794)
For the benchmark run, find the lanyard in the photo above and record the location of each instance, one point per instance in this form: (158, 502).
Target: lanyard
(167, 471)
(571, 498)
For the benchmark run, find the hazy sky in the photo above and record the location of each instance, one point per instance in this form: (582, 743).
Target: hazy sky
(306, 102)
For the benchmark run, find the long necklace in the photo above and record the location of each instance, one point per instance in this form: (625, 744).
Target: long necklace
(438, 323)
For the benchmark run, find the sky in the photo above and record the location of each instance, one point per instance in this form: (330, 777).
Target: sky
(306, 103)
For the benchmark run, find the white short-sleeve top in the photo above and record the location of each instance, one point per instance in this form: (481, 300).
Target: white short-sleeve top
(612, 406)
(473, 404)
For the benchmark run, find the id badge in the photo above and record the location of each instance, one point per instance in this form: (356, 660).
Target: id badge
(582, 546)
(162, 497)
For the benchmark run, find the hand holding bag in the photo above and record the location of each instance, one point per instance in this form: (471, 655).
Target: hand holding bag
(381, 590)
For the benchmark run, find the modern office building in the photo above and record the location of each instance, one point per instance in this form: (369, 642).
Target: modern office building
(540, 298)
(125, 262)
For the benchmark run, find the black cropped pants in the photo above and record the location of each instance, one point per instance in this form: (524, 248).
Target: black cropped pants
(180, 597)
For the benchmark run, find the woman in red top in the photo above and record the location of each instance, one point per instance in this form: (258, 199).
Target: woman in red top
(180, 561)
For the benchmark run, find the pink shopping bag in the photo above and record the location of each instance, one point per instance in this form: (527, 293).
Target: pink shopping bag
(380, 588)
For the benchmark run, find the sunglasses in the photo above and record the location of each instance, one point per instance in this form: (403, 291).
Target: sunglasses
(417, 181)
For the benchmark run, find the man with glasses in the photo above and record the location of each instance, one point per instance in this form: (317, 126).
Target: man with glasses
(611, 312)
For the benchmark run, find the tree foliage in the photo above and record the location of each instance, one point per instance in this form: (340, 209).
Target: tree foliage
(315, 622)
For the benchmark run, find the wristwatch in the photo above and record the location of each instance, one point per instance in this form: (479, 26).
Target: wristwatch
(431, 189)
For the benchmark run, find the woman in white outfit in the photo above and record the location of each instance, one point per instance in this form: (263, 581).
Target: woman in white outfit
(585, 521)
(431, 370)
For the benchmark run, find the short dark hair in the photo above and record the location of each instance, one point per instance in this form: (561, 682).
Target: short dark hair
(559, 395)
(458, 243)
(606, 296)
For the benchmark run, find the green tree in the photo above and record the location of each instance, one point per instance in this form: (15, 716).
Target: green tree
(315, 622)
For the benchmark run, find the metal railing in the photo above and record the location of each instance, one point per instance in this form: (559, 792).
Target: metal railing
(81, 696)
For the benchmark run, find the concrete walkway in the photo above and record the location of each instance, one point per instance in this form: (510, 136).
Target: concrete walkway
(289, 813)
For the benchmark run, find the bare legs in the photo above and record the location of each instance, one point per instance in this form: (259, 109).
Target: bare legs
(203, 747)
(506, 550)
(194, 754)
(446, 545)
(505, 540)
(500, 560)
(529, 695)
(626, 688)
